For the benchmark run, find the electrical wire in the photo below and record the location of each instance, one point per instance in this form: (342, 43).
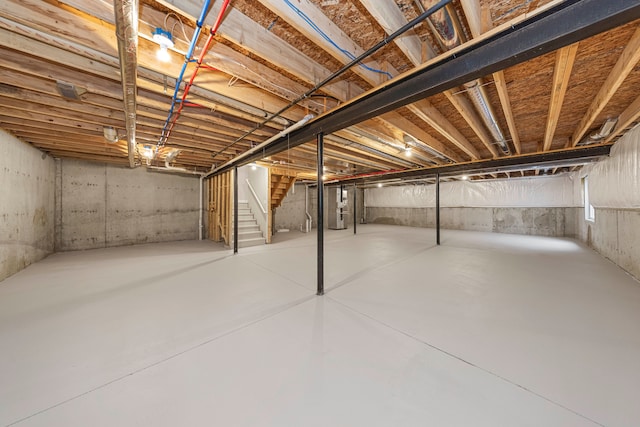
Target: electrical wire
(263, 78)
(344, 68)
(178, 21)
(325, 36)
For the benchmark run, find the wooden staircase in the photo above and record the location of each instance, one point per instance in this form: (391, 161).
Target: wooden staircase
(280, 185)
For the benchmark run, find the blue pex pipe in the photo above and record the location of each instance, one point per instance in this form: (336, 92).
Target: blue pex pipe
(187, 60)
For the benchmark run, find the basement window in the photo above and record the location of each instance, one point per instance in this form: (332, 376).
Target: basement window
(589, 211)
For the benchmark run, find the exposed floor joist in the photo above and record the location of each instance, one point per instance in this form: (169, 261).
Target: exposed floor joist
(558, 27)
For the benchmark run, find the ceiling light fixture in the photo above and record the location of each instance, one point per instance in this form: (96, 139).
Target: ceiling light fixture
(148, 152)
(464, 177)
(165, 40)
(407, 151)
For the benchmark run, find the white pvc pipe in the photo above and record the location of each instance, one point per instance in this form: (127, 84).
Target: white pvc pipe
(308, 220)
(259, 147)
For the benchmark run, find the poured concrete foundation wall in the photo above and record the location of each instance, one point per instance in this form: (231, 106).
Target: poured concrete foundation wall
(558, 222)
(102, 205)
(26, 205)
(290, 214)
(541, 206)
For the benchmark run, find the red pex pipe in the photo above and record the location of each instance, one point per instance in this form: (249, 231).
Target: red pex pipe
(199, 65)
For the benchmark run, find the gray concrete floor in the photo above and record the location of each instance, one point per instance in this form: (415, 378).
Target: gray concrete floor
(485, 330)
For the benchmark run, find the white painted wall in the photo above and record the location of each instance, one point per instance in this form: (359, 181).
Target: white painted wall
(27, 191)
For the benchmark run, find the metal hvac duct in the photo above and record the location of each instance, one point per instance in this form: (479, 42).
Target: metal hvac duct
(126, 14)
(448, 32)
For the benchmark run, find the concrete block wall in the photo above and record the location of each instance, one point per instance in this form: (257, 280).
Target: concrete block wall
(101, 205)
(530, 221)
(27, 192)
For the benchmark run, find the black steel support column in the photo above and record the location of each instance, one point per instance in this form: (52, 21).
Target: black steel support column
(320, 220)
(355, 208)
(235, 210)
(438, 209)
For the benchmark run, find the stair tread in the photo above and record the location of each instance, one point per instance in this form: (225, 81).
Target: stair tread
(249, 233)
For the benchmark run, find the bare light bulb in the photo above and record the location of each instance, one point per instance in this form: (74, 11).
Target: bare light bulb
(163, 54)
(165, 41)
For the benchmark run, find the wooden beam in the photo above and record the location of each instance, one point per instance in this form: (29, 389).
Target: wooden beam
(94, 103)
(246, 33)
(419, 133)
(505, 101)
(464, 107)
(339, 37)
(55, 49)
(353, 155)
(62, 23)
(390, 18)
(626, 119)
(565, 58)
(241, 30)
(474, 12)
(626, 63)
(479, 23)
(430, 114)
(233, 63)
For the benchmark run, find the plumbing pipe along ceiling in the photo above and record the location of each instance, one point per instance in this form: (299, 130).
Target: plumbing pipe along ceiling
(216, 95)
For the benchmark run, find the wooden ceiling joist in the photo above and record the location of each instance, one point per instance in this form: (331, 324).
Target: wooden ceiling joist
(626, 63)
(565, 58)
(390, 18)
(505, 102)
(630, 115)
(503, 47)
(466, 110)
(264, 57)
(478, 24)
